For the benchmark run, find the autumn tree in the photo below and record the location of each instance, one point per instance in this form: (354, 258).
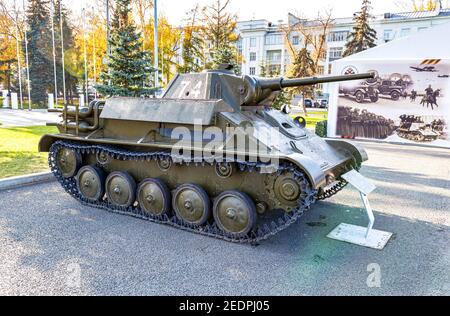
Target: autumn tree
(192, 43)
(425, 5)
(128, 65)
(6, 60)
(314, 35)
(169, 44)
(363, 35)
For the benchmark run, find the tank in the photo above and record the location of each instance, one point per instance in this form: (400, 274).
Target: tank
(415, 129)
(210, 157)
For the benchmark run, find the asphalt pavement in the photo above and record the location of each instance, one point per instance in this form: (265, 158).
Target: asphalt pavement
(21, 118)
(51, 245)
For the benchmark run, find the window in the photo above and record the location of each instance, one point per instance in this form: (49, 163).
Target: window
(252, 41)
(273, 56)
(252, 71)
(252, 56)
(388, 35)
(274, 39)
(330, 68)
(274, 70)
(340, 36)
(405, 32)
(295, 40)
(336, 53)
(320, 70)
(239, 46)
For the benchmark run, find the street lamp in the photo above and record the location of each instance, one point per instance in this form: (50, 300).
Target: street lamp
(155, 31)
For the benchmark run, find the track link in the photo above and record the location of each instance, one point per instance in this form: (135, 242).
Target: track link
(262, 232)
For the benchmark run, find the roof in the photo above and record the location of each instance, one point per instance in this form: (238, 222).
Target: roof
(420, 14)
(427, 44)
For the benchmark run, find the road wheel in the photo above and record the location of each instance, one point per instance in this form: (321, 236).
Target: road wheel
(69, 162)
(235, 213)
(374, 98)
(359, 97)
(191, 204)
(91, 183)
(154, 197)
(395, 96)
(120, 189)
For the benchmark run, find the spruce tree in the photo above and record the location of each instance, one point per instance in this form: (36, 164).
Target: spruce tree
(129, 66)
(39, 50)
(226, 55)
(363, 36)
(302, 66)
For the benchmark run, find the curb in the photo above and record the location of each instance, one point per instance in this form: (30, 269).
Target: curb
(26, 180)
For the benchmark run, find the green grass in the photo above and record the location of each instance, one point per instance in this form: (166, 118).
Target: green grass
(19, 150)
(313, 118)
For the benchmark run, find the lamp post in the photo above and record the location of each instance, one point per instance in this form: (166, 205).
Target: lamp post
(108, 34)
(19, 66)
(54, 51)
(155, 31)
(62, 52)
(27, 61)
(85, 57)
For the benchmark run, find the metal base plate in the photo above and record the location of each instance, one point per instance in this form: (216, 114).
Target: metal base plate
(357, 235)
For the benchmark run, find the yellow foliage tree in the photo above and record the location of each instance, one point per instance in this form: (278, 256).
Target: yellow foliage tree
(8, 48)
(428, 5)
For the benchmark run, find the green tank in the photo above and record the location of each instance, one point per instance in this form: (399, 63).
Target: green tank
(211, 156)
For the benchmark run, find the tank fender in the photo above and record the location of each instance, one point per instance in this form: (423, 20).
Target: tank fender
(46, 142)
(312, 169)
(356, 150)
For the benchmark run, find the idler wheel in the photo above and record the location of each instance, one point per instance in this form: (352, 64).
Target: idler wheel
(235, 213)
(192, 204)
(91, 183)
(154, 197)
(120, 189)
(69, 162)
(287, 191)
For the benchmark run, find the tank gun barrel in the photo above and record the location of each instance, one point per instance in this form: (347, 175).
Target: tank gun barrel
(281, 83)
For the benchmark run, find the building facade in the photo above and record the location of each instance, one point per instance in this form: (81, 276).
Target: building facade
(264, 46)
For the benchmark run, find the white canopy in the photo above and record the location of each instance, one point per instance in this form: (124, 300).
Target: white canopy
(431, 43)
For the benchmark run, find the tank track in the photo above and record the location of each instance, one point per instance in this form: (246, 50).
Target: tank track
(335, 189)
(262, 232)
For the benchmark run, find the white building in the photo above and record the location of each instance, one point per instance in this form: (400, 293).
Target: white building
(264, 43)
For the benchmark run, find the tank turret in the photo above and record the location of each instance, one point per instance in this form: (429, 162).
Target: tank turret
(210, 157)
(241, 91)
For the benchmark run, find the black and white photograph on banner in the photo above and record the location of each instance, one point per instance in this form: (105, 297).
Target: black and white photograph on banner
(408, 101)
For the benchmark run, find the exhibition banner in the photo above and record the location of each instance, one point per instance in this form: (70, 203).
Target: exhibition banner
(408, 101)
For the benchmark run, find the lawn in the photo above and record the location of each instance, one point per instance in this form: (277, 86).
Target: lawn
(313, 118)
(19, 150)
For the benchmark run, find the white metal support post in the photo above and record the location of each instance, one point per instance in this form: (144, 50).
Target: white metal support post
(362, 236)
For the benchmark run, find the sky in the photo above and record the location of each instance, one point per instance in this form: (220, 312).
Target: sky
(275, 10)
